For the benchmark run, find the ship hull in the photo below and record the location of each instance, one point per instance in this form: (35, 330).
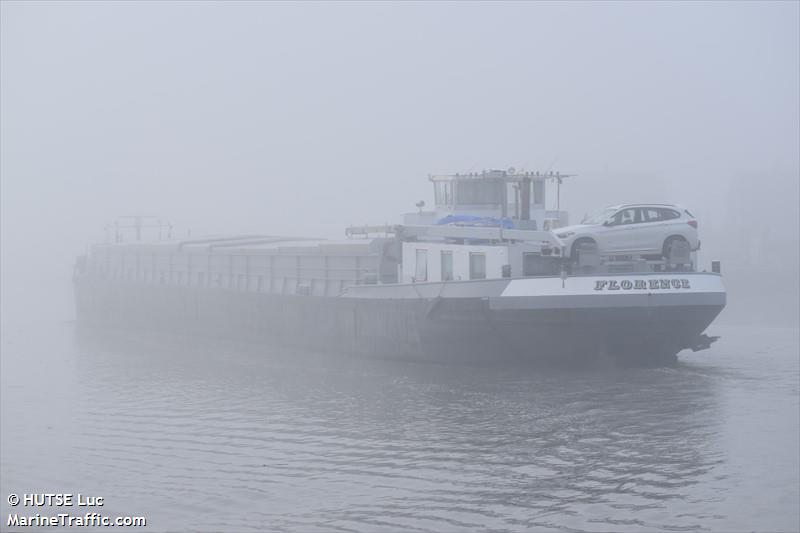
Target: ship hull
(529, 321)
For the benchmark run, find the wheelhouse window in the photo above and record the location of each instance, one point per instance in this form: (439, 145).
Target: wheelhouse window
(444, 192)
(477, 266)
(447, 266)
(480, 192)
(538, 192)
(421, 270)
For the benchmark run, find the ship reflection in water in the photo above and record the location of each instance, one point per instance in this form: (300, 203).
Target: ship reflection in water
(210, 437)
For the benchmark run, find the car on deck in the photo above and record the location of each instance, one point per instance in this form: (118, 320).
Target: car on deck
(636, 229)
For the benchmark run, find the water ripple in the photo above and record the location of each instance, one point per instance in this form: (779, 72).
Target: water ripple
(218, 437)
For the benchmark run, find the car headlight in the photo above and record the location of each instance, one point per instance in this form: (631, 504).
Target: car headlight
(565, 234)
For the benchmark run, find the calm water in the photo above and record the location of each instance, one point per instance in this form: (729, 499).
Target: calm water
(216, 437)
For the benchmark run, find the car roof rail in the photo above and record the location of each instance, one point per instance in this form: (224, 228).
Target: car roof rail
(644, 205)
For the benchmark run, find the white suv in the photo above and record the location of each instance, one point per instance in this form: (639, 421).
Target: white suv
(643, 229)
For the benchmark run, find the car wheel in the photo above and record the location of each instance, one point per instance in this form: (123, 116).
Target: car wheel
(576, 246)
(668, 244)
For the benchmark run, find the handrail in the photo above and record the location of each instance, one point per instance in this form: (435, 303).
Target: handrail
(492, 234)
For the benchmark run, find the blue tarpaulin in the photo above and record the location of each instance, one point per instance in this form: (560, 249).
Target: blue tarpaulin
(472, 220)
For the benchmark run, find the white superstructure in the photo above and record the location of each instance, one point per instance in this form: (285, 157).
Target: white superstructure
(518, 196)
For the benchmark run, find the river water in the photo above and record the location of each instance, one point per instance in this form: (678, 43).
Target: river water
(209, 436)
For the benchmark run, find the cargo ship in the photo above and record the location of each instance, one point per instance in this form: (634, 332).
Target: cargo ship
(481, 278)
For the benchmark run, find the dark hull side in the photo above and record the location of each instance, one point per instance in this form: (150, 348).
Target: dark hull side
(464, 330)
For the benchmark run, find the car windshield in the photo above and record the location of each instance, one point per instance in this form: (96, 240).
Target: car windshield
(598, 217)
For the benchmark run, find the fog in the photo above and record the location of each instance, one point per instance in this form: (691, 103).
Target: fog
(304, 118)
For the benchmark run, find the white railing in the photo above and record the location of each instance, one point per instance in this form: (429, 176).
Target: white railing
(491, 234)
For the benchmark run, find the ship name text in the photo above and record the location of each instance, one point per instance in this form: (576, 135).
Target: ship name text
(641, 284)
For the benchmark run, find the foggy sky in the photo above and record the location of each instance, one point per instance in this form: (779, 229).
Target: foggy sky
(304, 118)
